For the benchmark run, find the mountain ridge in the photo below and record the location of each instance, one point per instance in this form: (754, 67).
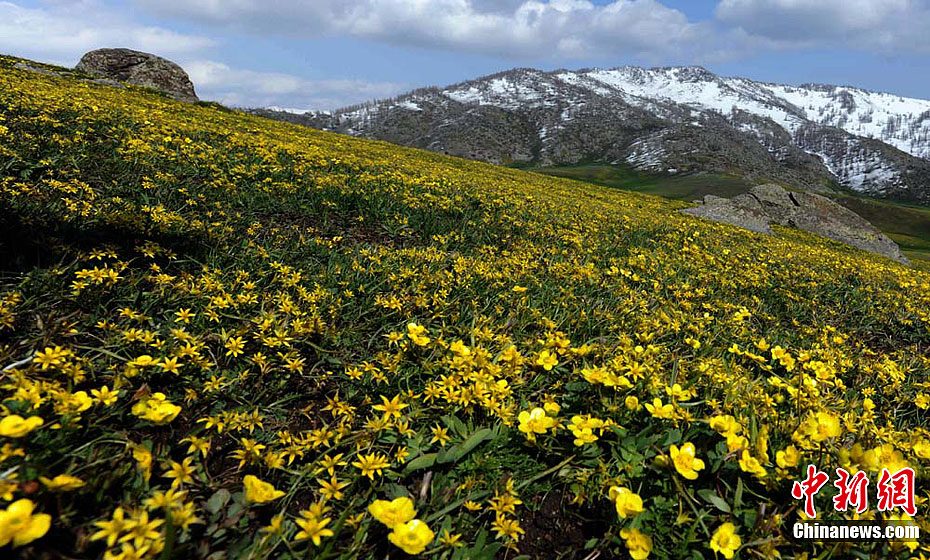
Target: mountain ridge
(663, 119)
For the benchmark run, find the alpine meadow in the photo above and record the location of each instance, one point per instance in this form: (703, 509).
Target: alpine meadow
(224, 336)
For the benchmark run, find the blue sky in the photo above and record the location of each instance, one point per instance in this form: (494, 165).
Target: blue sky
(320, 54)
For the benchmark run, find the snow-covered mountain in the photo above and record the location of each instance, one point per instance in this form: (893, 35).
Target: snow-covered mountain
(664, 119)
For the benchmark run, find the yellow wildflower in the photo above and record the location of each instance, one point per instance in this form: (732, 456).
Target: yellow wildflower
(156, 408)
(725, 540)
(534, 422)
(416, 334)
(15, 426)
(412, 537)
(20, 526)
(751, 465)
(313, 528)
(638, 543)
(547, 360)
(685, 461)
(371, 464)
(627, 502)
(63, 482)
(258, 491)
(394, 512)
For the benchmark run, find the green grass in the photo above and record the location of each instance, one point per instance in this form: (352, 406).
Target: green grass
(907, 225)
(685, 186)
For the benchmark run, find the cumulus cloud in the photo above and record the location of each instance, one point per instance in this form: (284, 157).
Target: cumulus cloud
(63, 31)
(237, 87)
(508, 28)
(886, 26)
(560, 31)
(60, 31)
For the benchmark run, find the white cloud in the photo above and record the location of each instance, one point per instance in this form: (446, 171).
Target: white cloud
(63, 31)
(886, 26)
(526, 29)
(236, 87)
(60, 31)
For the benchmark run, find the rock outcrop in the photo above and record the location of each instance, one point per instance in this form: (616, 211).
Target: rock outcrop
(770, 204)
(139, 68)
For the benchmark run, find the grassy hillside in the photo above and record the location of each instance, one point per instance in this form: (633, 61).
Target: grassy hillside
(227, 337)
(685, 186)
(907, 225)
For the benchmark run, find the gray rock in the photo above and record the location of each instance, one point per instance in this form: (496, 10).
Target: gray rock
(139, 68)
(770, 204)
(36, 69)
(722, 210)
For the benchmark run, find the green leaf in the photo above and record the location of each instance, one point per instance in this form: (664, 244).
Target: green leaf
(672, 436)
(457, 452)
(218, 500)
(424, 461)
(458, 427)
(738, 497)
(710, 497)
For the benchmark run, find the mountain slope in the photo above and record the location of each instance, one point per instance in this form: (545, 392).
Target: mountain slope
(661, 119)
(223, 336)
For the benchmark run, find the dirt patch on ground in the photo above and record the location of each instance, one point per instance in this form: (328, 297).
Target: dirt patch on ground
(559, 529)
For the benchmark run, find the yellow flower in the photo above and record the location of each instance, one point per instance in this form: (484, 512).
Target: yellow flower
(659, 410)
(412, 537)
(452, 540)
(111, 530)
(20, 526)
(143, 459)
(371, 464)
(922, 449)
(725, 540)
(631, 403)
(62, 482)
(725, 424)
(415, 333)
(313, 528)
(788, 458)
(547, 360)
(583, 427)
(472, 506)
(627, 502)
(393, 513)
(638, 543)
(390, 408)
(751, 465)
(142, 361)
(234, 346)
(258, 491)
(440, 435)
(332, 489)
(275, 526)
(156, 408)
(104, 395)
(15, 426)
(685, 461)
(826, 425)
(77, 402)
(534, 422)
(180, 473)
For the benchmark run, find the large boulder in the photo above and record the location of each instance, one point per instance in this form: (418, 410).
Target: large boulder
(139, 68)
(770, 204)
